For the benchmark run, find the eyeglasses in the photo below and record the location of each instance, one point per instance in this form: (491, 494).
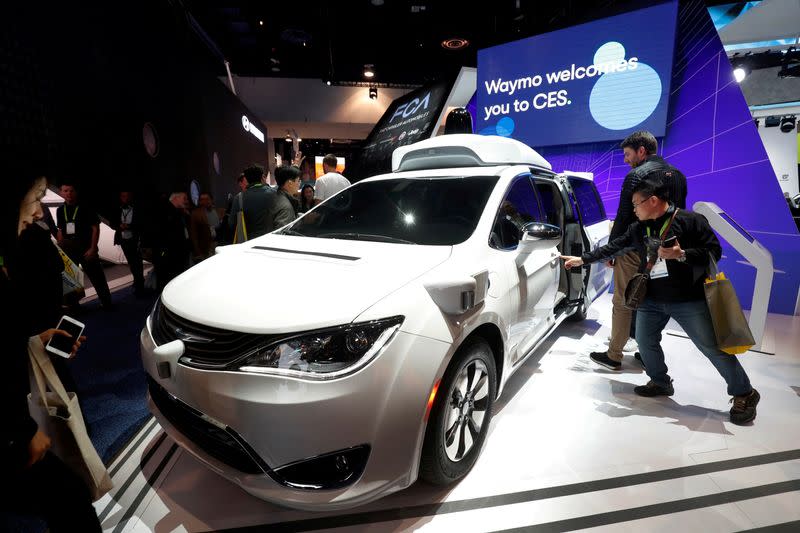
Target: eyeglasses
(635, 205)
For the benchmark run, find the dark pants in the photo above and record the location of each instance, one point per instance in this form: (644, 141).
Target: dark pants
(168, 265)
(51, 490)
(695, 320)
(92, 268)
(130, 247)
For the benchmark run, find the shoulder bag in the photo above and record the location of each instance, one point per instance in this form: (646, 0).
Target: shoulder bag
(636, 289)
(58, 414)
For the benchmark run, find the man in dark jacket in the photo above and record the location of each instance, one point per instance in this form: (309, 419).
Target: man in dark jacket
(640, 153)
(675, 290)
(78, 235)
(286, 205)
(127, 223)
(258, 204)
(172, 251)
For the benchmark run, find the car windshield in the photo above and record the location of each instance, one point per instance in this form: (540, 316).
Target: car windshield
(430, 211)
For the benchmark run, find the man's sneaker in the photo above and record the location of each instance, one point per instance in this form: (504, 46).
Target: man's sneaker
(630, 345)
(638, 358)
(651, 389)
(744, 407)
(602, 359)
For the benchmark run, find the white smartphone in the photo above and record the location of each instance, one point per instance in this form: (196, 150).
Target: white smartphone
(61, 345)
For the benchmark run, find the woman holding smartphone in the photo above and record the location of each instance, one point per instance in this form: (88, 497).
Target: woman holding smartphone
(35, 480)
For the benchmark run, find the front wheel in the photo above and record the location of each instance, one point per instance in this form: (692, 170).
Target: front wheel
(460, 416)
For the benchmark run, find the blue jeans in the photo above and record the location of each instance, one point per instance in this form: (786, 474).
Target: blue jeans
(693, 317)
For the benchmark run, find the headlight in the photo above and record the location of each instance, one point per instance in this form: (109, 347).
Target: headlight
(323, 354)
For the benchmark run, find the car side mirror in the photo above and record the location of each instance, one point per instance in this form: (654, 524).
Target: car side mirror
(537, 235)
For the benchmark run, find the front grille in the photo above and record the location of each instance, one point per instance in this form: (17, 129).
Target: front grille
(212, 347)
(215, 441)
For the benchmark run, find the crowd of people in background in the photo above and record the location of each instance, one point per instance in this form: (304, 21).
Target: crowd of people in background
(171, 235)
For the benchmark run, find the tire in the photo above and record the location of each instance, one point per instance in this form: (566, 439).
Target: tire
(464, 428)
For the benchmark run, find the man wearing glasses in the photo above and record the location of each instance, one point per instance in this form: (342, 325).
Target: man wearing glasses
(679, 245)
(640, 150)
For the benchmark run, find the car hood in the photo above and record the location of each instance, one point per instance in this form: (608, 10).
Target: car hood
(281, 283)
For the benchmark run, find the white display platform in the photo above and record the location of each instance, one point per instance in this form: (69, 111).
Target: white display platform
(603, 457)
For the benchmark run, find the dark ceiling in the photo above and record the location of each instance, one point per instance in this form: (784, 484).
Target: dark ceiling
(401, 38)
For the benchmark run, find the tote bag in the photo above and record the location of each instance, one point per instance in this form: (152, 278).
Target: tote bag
(240, 234)
(59, 416)
(71, 276)
(730, 326)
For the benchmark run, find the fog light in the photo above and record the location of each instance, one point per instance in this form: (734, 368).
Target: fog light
(330, 471)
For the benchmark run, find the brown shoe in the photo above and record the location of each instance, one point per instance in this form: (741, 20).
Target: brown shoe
(744, 408)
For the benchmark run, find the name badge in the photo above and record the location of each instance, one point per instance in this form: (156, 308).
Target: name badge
(659, 270)
(70, 228)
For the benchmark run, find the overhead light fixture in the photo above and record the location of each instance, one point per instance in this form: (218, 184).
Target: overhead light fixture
(788, 123)
(455, 43)
(772, 121)
(260, 22)
(328, 83)
(740, 72)
(288, 138)
(373, 93)
(369, 71)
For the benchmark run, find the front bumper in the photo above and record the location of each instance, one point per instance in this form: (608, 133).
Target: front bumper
(261, 423)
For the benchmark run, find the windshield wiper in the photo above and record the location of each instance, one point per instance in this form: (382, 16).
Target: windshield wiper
(290, 231)
(364, 237)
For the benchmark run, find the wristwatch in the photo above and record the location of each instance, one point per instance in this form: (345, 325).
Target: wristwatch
(682, 257)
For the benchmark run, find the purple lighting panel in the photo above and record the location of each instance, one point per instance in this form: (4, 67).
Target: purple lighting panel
(711, 137)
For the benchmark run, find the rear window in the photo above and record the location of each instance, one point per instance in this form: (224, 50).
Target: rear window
(589, 203)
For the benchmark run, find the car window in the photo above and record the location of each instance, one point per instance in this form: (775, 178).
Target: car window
(430, 211)
(552, 203)
(589, 203)
(519, 207)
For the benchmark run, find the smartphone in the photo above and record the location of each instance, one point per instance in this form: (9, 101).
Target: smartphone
(669, 243)
(61, 345)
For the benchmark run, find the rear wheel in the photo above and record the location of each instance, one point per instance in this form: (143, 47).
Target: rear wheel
(460, 416)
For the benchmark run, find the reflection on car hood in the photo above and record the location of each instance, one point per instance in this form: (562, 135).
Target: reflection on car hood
(280, 283)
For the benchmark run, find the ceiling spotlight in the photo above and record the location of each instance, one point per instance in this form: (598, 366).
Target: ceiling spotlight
(373, 93)
(328, 83)
(787, 124)
(772, 121)
(740, 73)
(260, 22)
(369, 71)
(288, 138)
(456, 43)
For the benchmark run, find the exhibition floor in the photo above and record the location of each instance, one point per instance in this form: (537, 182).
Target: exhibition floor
(570, 447)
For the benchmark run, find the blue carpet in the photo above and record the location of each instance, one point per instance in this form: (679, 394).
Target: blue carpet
(110, 379)
(108, 371)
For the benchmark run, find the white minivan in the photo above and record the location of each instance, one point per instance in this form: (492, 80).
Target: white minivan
(341, 357)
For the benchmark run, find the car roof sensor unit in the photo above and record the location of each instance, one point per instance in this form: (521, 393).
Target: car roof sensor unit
(465, 150)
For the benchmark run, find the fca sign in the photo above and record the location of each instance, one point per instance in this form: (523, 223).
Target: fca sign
(410, 108)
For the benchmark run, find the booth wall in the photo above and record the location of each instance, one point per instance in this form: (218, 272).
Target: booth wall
(712, 138)
(82, 82)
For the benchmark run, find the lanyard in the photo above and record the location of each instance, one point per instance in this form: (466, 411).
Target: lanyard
(663, 228)
(74, 213)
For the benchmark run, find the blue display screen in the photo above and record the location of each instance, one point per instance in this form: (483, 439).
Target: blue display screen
(598, 81)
